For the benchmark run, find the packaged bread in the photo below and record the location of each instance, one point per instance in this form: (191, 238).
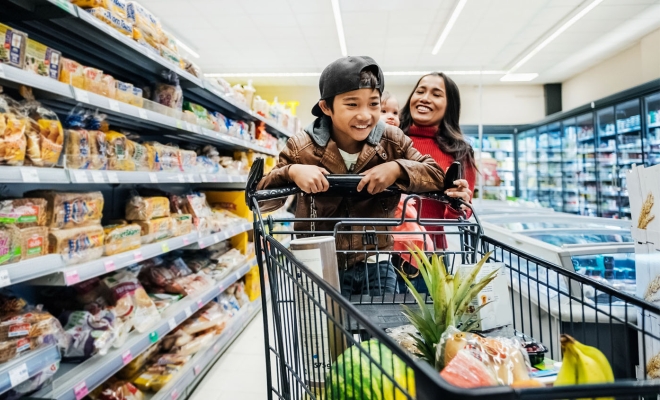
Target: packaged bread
(12, 133)
(137, 99)
(16, 347)
(208, 317)
(139, 154)
(44, 134)
(25, 212)
(153, 159)
(170, 159)
(182, 224)
(115, 6)
(145, 40)
(121, 24)
(188, 160)
(123, 92)
(108, 86)
(71, 73)
(144, 20)
(155, 377)
(141, 208)
(138, 362)
(121, 238)
(196, 205)
(14, 44)
(10, 244)
(98, 149)
(156, 229)
(42, 60)
(34, 242)
(117, 151)
(31, 323)
(78, 244)
(131, 302)
(77, 149)
(103, 14)
(92, 79)
(70, 210)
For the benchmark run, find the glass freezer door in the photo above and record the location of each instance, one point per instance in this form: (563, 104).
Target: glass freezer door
(570, 167)
(629, 148)
(586, 165)
(652, 139)
(607, 165)
(528, 174)
(550, 172)
(616, 270)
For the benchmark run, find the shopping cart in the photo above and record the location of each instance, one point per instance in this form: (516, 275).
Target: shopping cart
(321, 344)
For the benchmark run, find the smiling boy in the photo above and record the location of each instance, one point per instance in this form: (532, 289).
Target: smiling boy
(347, 138)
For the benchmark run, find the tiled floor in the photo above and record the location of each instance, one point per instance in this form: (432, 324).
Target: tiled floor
(241, 372)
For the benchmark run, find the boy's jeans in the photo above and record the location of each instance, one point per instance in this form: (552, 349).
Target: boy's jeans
(374, 279)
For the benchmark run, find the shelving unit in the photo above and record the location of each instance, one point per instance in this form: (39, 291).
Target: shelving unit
(498, 162)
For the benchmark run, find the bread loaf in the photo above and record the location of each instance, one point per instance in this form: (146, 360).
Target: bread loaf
(141, 208)
(34, 242)
(24, 212)
(78, 244)
(121, 238)
(155, 229)
(70, 210)
(10, 244)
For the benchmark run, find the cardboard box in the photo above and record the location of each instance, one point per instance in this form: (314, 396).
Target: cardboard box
(497, 313)
(42, 60)
(13, 47)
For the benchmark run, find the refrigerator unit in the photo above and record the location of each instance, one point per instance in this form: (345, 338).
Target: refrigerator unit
(528, 165)
(569, 167)
(497, 167)
(586, 166)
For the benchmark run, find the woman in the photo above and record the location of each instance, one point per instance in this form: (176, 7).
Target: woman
(430, 118)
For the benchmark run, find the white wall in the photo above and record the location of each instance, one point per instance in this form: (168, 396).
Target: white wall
(502, 104)
(637, 64)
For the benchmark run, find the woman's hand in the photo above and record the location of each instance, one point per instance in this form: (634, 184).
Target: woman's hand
(462, 191)
(309, 178)
(380, 177)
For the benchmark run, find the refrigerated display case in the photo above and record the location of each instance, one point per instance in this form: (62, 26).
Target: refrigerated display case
(497, 164)
(606, 161)
(586, 166)
(550, 163)
(652, 138)
(569, 167)
(528, 165)
(629, 148)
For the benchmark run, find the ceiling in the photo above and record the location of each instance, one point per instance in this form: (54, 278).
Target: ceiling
(292, 36)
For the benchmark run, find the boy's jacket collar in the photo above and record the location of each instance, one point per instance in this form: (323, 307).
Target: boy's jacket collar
(321, 129)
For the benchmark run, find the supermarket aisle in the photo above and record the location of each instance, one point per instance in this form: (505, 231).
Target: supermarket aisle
(241, 371)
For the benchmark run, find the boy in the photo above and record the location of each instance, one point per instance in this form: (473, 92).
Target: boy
(347, 137)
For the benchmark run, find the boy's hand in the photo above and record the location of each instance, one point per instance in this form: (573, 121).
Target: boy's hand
(380, 177)
(309, 178)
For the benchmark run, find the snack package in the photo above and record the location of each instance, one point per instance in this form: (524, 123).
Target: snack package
(123, 92)
(71, 73)
(13, 44)
(44, 134)
(42, 60)
(69, 210)
(137, 99)
(77, 245)
(24, 212)
(10, 244)
(117, 151)
(132, 368)
(156, 229)
(12, 133)
(141, 208)
(169, 92)
(92, 80)
(131, 301)
(182, 224)
(121, 238)
(211, 316)
(155, 377)
(88, 334)
(34, 242)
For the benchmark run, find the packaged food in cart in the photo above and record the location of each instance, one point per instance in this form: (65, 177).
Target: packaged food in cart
(144, 208)
(71, 209)
(77, 245)
(121, 237)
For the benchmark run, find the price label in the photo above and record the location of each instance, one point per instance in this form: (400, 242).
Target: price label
(221, 288)
(18, 375)
(153, 337)
(153, 178)
(172, 324)
(165, 247)
(191, 178)
(143, 113)
(188, 312)
(200, 303)
(175, 394)
(4, 278)
(216, 348)
(80, 390)
(137, 256)
(30, 175)
(80, 176)
(112, 177)
(181, 178)
(71, 277)
(126, 357)
(202, 244)
(114, 105)
(2, 71)
(81, 95)
(97, 177)
(110, 266)
(186, 242)
(197, 369)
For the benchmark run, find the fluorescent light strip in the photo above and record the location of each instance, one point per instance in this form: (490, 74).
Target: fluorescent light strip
(450, 24)
(315, 74)
(340, 27)
(555, 34)
(187, 48)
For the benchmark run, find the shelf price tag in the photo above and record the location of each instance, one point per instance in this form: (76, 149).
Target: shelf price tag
(110, 266)
(137, 256)
(200, 303)
(188, 312)
(80, 176)
(186, 242)
(114, 105)
(30, 175)
(80, 390)
(143, 113)
(126, 357)
(4, 278)
(112, 177)
(175, 394)
(238, 275)
(97, 177)
(153, 337)
(197, 369)
(153, 178)
(81, 95)
(18, 375)
(172, 324)
(181, 178)
(216, 348)
(71, 277)
(165, 247)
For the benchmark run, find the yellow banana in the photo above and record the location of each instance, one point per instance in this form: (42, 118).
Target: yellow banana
(582, 365)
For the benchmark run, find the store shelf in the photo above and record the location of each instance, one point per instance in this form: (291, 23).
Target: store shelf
(205, 358)
(56, 273)
(630, 130)
(654, 125)
(13, 372)
(585, 139)
(85, 377)
(33, 268)
(607, 135)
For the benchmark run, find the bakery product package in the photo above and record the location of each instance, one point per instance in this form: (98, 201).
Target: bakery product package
(42, 60)
(34, 242)
(77, 245)
(117, 151)
(25, 212)
(156, 229)
(121, 238)
(71, 209)
(143, 208)
(13, 46)
(12, 132)
(44, 134)
(10, 244)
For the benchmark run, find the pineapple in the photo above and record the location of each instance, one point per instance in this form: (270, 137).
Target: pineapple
(451, 295)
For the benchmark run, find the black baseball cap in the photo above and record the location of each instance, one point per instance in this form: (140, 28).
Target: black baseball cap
(343, 76)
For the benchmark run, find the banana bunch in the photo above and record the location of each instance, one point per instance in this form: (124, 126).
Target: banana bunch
(582, 364)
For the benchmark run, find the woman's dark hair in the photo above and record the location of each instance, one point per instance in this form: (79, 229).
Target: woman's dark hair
(368, 80)
(450, 137)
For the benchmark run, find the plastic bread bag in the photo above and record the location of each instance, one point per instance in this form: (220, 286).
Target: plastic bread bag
(11, 304)
(142, 208)
(144, 20)
(164, 300)
(175, 340)
(91, 292)
(32, 323)
(168, 157)
(117, 151)
(131, 301)
(71, 73)
(121, 238)
(160, 274)
(69, 210)
(114, 389)
(195, 284)
(24, 213)
(208, 317)
(92, 80)
(120, 24)
(155, 230)
(88, 334)
(34, 242)
(229, 303)
(138, 98)
(188, 160)
(509, 359)
(132, 368)
(10, 244)
(77, 245)
(168, 92)
(123, 92)
(76, 140)
(115, 6)
(240, 294)
(207, 166)
(173, 359)
(12, 133)
(98, 145)
(197, 206)
(198, 343)
(155, 377)
(45, 135)
(108, 86)
(139, 155)
(145, 40)
(182, 224)
(230, 260)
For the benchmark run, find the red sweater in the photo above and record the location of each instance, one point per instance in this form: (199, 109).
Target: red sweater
(424, 140)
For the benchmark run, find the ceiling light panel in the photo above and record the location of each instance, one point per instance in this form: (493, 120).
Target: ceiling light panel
(339, 25)
(450, 24)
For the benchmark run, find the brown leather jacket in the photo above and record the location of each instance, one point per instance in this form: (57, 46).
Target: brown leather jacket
(316, 147)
